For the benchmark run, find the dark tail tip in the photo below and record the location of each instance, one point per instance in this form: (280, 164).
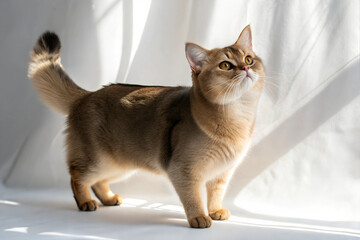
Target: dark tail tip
(48, 42)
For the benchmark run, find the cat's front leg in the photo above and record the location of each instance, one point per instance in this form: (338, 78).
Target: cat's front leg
(215, 194)
(189, 191)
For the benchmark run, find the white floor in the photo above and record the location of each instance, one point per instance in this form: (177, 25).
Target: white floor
(52, 214)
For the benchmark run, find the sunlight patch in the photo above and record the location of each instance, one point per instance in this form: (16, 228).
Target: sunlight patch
(9, 202)
(177, 219)
(132, 202)
(172, 208)
(253, 222)
(153, 205)
(74, 236)
(17, 229)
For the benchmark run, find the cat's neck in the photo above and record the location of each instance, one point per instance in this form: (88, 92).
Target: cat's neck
(230, 123)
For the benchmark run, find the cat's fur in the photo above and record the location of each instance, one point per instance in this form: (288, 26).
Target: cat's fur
(194, 135)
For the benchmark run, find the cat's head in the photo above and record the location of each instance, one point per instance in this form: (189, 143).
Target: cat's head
(223, 75)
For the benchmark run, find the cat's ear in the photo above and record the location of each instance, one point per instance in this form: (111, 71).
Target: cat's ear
(196, 56)
(245, 39)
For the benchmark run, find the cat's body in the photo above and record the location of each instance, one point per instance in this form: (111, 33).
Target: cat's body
(194, 135)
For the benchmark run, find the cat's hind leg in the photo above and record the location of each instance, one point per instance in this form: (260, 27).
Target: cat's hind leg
(105, 195)
(82, 177)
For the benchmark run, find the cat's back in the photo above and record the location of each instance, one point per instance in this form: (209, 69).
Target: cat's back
(148, 101)
(126, 98)
(132, 120)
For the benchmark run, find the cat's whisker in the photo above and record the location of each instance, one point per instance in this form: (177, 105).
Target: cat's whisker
(224, 97)
(237, 76)
(229, 90)
(275, 74)
(215, 87)
(270, 84)
(219, 93)
(223, 101)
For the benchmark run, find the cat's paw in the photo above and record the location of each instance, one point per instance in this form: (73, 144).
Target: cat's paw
(200, 222)
(91, 205)
(220, 214)
(113, 201)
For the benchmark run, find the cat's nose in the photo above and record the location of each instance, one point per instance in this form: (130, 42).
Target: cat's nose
(246, 68)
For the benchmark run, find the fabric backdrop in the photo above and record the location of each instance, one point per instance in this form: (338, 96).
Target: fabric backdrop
(305, 158)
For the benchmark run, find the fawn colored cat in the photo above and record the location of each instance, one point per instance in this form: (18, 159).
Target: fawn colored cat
(195, 135)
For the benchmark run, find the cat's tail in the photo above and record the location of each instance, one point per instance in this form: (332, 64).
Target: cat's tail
(54, 86)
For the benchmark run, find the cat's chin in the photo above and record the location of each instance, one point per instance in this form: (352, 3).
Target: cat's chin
(243, 87)
(236, 94)
(246, 84)
(252, 75)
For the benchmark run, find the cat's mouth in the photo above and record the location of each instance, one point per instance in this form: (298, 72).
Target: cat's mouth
(245, 77)
(245, 83)
(250, 75)
(246, 80)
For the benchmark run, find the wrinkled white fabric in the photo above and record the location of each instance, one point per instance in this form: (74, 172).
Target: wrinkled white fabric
(305, 157)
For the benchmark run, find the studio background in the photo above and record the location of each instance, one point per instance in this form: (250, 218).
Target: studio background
(304, 164)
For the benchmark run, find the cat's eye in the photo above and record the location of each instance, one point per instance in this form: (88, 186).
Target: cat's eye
(225, 66)
(249, 60)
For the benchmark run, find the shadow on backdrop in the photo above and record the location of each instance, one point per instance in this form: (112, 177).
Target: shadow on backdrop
(39, 150)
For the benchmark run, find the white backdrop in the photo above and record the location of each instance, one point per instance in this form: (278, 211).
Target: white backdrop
(305, 159)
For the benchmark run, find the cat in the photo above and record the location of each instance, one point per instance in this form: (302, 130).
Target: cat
(195, 135)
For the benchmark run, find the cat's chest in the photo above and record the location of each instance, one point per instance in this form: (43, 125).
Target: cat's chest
(231, 151)
(223, 157)
(235, 132)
